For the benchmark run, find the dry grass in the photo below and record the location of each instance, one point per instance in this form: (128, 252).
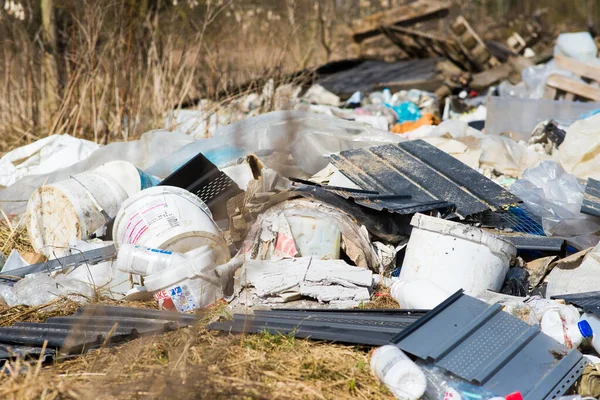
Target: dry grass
(13, 235)
(196, 363)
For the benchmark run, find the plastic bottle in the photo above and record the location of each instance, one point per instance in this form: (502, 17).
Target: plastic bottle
(398, 373)
(146, 261)
(594, 323)
(441, 385)
(563, 325)
(418, 294)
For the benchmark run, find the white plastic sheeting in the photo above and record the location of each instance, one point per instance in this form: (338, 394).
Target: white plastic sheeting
(152, 146)
(579, 154)
(44, 156)
(556, 196)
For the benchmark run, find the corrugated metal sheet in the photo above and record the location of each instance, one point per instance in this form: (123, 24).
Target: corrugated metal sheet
(90, 327)
(366, 75)
(492, 349)
(424, 172)
(540, 243)
(591, 198)
(589, 301)
(366, 327)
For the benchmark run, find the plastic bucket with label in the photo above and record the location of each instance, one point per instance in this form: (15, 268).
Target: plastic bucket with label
(169, 218)
(188, 286)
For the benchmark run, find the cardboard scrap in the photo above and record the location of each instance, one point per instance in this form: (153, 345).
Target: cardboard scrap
(288, 279)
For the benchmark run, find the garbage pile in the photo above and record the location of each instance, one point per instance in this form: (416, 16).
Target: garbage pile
(488, 239)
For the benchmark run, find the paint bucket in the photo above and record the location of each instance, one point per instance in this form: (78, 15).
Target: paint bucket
(169, 218)
(456, 256)
(70, 210)
(188, 286)
(74, 209)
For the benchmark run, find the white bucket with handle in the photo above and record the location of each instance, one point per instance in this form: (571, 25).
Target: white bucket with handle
(169, 218)
(456, 256)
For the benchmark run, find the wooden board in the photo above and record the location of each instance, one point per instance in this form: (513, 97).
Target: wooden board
(405, 14)
(578, 68)
(569, 85)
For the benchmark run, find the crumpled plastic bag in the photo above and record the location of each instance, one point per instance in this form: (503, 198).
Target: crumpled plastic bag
(44, 156)
(556, 196)
(152, 146)
(40, 289)
(579, 154)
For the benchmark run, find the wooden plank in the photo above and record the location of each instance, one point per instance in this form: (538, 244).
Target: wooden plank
(485, 79)
(405, 14)
(472, 46)
(571, 86)
(578, 68)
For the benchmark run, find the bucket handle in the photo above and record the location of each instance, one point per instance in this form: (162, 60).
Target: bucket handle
(107, 217)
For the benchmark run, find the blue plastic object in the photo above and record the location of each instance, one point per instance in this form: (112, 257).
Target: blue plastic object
(589, 114)
(407, 111)
(585, 329)
(147, 180)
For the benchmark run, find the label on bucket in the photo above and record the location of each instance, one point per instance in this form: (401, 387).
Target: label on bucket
(155, 216)
(176, 298)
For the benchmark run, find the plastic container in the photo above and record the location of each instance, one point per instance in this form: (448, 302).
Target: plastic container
(456, 256)
(398, 373)
(594, 323)
(145, 260)
(443, 385)
(169, 218)
(132, 179)
(419, 294)
(315, 237)
(190, 285)
(563, 325)
(70, 210)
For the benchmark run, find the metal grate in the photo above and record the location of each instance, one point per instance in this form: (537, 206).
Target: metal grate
(215, 187)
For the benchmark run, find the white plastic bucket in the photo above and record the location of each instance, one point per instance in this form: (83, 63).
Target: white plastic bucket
(128, 176)
(188, 286)
(456, 256)
(71, 210)
(169, 218)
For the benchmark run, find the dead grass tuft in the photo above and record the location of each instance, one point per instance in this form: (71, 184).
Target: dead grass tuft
(13, 235)
(381, 299)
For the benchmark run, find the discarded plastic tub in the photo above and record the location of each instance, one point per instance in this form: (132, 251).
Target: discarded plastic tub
(188, 286)
(456, 256)
(131, 178)
(71, 210)
(169, 218)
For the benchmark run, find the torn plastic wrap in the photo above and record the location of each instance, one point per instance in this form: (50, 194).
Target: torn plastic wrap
(579, 154)
(271, 236)
(290, 142)
(555, 196)
(151, 147)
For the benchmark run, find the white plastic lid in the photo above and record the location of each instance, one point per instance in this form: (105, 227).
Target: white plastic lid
(464, 231)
